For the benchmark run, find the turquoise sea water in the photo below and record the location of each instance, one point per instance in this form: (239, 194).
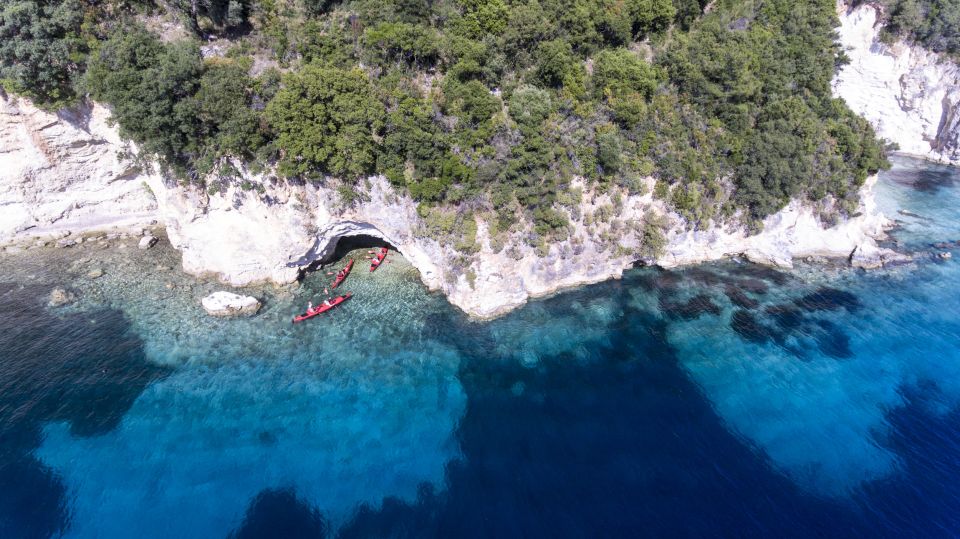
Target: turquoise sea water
(723, 399)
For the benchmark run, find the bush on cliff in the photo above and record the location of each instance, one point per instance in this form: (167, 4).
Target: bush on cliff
(326, 120)
(935, 24)
(186, 112)
(41, 50)
(476, 105)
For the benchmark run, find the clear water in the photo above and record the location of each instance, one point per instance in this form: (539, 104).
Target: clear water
(723, 399)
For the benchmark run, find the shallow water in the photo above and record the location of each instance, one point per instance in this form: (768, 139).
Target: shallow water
(722, 399)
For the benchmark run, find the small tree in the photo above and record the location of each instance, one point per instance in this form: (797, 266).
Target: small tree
(325, 120)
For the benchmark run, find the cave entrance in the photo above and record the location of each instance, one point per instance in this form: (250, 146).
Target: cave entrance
(345, 244)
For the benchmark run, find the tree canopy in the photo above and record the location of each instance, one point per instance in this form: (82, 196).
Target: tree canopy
(470, 105)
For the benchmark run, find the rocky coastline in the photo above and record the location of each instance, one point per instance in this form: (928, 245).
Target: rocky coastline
(67, 177)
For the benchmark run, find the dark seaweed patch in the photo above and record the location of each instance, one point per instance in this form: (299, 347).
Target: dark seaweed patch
(786, 317)
(703, 275)
(926, 180)
(281, 513)
(754, 286)
(790, 321)
(832, 341)
(739, 298)
(86, 369)
(747, 326)
(828, 299)
(766, 273)
(661, 280)
(266, 437)
(33, 502)
(688, 310)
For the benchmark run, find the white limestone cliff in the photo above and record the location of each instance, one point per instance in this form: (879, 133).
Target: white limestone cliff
(61, 173)
(909, 94)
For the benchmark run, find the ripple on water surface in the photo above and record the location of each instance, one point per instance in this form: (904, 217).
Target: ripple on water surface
(727, 396)
(349, 408)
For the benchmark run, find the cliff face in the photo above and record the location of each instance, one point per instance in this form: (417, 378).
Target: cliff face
(909, 94)
(61, 174)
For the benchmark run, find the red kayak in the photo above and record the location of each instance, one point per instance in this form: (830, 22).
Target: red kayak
(322, 308)
(375, 263)
(342, 274)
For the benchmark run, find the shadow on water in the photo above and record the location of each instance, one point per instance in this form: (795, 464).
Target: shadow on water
(930, 179)
(86, 369)
(623, 444)
(618, 444)
(280, 513)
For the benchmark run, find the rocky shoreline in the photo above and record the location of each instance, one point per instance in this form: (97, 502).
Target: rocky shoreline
(273, 231)
(64, 179)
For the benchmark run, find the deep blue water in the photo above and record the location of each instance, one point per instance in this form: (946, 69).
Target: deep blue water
(726, 399)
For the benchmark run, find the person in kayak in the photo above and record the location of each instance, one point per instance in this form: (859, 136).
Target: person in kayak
(309, 306)
(326, 302)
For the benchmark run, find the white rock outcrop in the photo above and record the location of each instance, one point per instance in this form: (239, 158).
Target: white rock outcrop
(61, 174)
(248, 236)
(228, 304)
(869, 256)
(909, 94)
(792, 233)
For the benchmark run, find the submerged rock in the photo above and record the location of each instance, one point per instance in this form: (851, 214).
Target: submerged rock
(95, 273)
(60, 297)
(228, 304)
(869, 256)
(866, 256)
(147, 242)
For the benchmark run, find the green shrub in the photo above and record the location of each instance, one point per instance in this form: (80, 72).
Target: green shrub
(325, 120)
(653, 242)
(41, 51)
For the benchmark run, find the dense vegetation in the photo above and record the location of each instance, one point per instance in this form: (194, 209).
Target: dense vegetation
(468, 105)
(935, 24)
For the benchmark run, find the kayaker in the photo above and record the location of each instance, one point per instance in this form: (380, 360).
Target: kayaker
(309, 306)
(326, 302)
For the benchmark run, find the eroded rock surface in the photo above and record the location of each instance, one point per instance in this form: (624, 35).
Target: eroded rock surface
(62, 173)
(909, 94)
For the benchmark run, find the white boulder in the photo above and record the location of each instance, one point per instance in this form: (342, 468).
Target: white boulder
(228, 304)
(147, 242)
